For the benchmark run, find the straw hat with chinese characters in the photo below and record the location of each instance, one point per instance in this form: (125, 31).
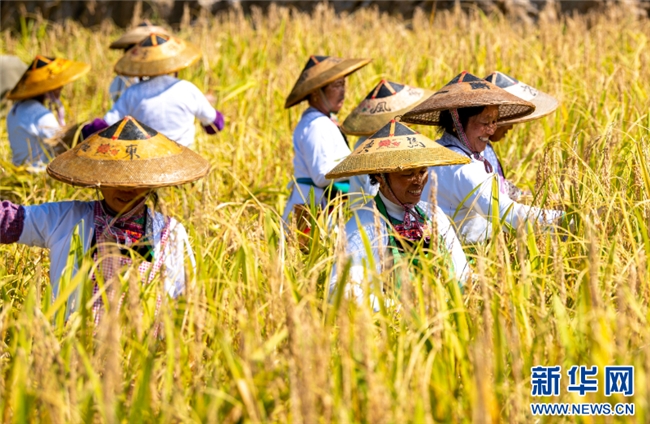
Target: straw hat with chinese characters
(157, 54)
(467, 90)
(46, 74)
(320, 71)
(128, 154)
(395, 148)
(544, 103)
(137, 34)
(386, 101)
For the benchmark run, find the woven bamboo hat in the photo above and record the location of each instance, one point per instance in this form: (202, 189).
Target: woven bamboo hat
(544, 103)
(157, 54)
(467, 90)
(137, 34)
(46, 74)
(386, 101)
(128, 154)
(320, 71)
(394, 148)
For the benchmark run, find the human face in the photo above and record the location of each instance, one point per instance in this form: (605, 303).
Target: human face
(122, 200)
(329, 99)
(500, 132)
(406, 185)
(480, 127)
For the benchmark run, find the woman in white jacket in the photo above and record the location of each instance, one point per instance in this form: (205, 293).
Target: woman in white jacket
(122, 231)
(126, 42)
(467, 109)
(544, 105)
(31, 122)
(396, 222)
(162, 101)
(318, 142)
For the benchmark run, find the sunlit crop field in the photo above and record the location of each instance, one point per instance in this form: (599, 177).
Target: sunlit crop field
(255, 338)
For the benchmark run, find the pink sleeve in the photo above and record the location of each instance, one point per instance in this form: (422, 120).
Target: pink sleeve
(216, 125)
(12, 219)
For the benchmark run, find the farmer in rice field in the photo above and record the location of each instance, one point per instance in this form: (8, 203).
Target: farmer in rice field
(384, 102)
(125, 162)
(30, 124)
(397, 221)
(544, 105)
(467, 110)
(318, 142)
(163, 101)
(125, 43)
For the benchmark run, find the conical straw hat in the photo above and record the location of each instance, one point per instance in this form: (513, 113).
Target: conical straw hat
(386, 101)
(320, 71)
(467, 90)
(157, 54)
(544, 103)
(395, 148)
(137, 34)
(46, 74)
(128, 154)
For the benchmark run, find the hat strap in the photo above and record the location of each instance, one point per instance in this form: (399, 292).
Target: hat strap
(463, 138)
(410, 223)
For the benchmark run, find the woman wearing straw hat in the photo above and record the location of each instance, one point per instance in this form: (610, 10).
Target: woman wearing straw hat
(125, 162)
(384, 102)
(396, 221)
(126, 42)
(29, 123)
(467, 109)
(317, 140)
(544, 105)
(163, 101)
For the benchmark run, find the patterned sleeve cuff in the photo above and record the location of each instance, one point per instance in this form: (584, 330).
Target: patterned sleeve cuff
(12, 220)
(216, 125)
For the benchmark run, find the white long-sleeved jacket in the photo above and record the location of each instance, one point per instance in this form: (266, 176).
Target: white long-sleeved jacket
(29, 124)
(363, 222)
(318, 147)
(464, 193)
(51, 226)
(167, 104)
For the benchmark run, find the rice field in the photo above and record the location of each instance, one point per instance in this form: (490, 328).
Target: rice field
(255, 338)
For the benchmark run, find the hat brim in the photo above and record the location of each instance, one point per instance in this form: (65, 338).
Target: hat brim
(304, 88)
(126, 66)
(182, 168)
(362, 124)
(135, 36)
(395, 161)
(432, 117)
(457, 96)
(545, 104)
(25, 91)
